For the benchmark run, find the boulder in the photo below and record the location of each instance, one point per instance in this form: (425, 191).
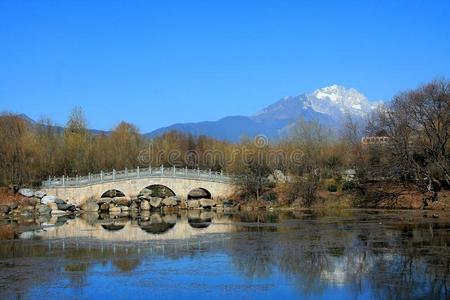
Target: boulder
(169, 201)
(124, 201)
(26, 192)
(52, 205)
(145, 197)
(90, 205)
(60, 201)
(206, 203)
(40, 194)
(47, 199)
(155, 202)
(114, 209)
(134, 206)
(104, 207)
(146, 191)
(65, 206)
(193, 204)
(4, 209)
(145, 205)
(104, 200)
(44, 210)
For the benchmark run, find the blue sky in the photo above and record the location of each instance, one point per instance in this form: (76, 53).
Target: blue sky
(155, 63)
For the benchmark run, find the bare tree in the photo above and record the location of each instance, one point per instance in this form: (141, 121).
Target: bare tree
(417, 123)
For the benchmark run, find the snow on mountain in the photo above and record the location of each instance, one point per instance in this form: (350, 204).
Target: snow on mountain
(334, 98)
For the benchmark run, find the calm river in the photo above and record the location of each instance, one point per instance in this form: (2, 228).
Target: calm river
(353, 254)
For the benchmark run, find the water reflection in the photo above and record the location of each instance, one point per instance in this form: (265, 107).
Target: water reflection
(387, 255)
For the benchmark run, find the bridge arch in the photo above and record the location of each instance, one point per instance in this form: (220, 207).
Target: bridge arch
(199, 193)
(111, 193)
(159, 190)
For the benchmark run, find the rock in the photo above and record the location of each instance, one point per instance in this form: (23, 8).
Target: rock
(193, 204)
(26, 192)
(198, 193)
(44, 210)
(114, 209)
(4, 209)
(146, 191)
(59, 201)
(134, 206)
(206, 203)
(145, 205)
(169, 201)
(105, 200)
(40, 194)
(13, 206)
(90, 205)
(104, 207)
(124, 201)
(124, 208)
(65, 206)
(47, 199)
(155, 202)
(52, 205)
(58, 212)
(145, 197)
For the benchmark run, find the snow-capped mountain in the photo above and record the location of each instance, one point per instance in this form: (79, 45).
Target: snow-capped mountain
(329, 105)
(334, 101)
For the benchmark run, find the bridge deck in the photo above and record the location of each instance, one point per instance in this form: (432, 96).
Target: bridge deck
(136, 173)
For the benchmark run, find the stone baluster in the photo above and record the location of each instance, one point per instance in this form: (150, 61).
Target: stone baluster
(63, 181)
(186, 171)
(209, 172)
(101, 175)
(162, 170)
(126, 173)
(114, 174)
(137, 172)
(174, 171)
(89, 177)
(77, 180)
(198, 172)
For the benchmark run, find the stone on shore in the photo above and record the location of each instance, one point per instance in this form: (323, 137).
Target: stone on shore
(206, 203)
(145, 205)
(104, 207)
(124, 201)
(44, 210)
(60, 201)
(52, 205)
(40, 194)
(26, 192)
(114, 209)
(193, 204)
(155, 202)
(169, 201)
(65, 206)
(47, 199)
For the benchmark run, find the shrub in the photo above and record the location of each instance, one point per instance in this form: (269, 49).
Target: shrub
(332, 188)
(348, 185)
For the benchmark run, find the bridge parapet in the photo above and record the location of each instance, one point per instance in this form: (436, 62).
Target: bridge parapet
(160, 172)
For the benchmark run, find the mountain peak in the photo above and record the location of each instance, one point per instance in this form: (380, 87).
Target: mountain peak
(336, 97)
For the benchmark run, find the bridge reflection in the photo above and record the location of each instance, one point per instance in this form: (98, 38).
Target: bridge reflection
(146, 226)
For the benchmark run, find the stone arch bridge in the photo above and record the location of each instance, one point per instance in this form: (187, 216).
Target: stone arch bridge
(130, 182)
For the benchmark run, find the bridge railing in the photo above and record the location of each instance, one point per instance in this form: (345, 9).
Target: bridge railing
(126, 174)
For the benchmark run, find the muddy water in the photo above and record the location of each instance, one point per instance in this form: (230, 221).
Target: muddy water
(205, 255)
